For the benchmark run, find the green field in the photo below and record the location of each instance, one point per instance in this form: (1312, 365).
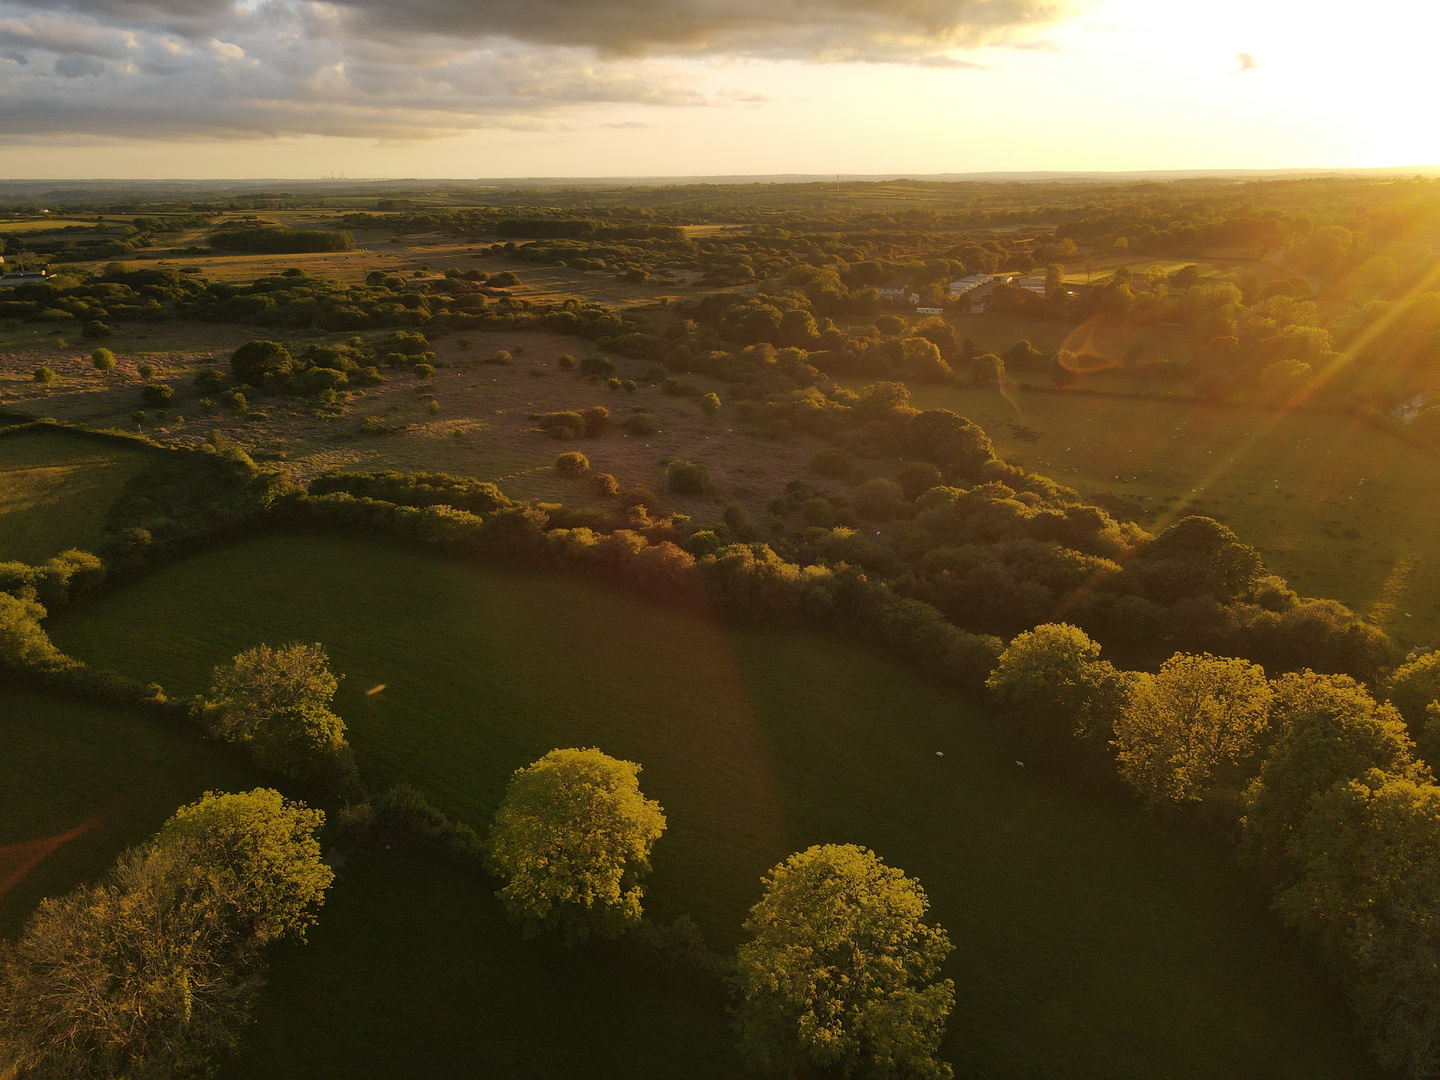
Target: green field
(113, 776)
(1089, 942)
(1339, 506)
(55, 489)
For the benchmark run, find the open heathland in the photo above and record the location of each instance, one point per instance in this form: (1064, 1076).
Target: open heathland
(1089, 942)
(55, 489)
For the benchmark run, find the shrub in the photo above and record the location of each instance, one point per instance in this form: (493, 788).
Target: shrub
(606, 485)
(254, 361)
(208, 380)
(563, 425)
(146, 371)
(567, 362)
(95, 330)
(596, 418)
(641, 424)
(571, 840)
(572, 463)
(689, 478)
(157, 395)
(598, 366)
(44, 375)
(880, 500)
(833, 461)
(710, 404)
(842, 974)
(103, 359)
(917, 478)
(424, 371)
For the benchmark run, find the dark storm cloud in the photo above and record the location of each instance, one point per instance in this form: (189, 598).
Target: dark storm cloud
(420, 69)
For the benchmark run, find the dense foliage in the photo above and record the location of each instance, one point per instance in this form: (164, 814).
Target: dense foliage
(571, 841)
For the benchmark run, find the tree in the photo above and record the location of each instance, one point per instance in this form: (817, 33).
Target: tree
(23, 641)
(920, 359)
(1052, 680)
(255, 360)
(948, 440)
(1369, 854)
(842, 972)
(1411, 688)
(277, 702)
(1327, 729)
(879, 499)
(571, 840)
(1179, 726)
(264, 851)
(152, 971)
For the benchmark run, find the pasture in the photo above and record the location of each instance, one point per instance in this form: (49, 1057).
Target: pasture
(55, 489)
(1336, 504)
(1090, 941)
(79, 782)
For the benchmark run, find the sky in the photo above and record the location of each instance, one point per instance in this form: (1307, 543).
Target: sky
(210, 89)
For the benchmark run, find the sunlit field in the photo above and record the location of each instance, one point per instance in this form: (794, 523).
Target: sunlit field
(1089, 941)
(55, 490)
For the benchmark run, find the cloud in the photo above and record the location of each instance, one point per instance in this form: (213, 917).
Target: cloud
(424, 69)
(630, 125)
(1246, 61)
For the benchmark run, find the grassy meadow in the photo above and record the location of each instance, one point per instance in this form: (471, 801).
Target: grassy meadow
(1090, 942)
(55, 489)
(78, 783)
(1339, 506)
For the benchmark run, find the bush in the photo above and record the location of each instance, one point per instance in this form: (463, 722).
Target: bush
(95, 330)
(145, 371)
(208, 380)
(103, 359)
(572, 463)
(424, 371)
(880, 500)
(710, 404)
(567, 362)
(606, 485)
(689, 478)
(598, 366)
(255, 361)
(917, 478)
(157, 395)
(596, 418)
(641, 424)
(833, 461)
(44, 376)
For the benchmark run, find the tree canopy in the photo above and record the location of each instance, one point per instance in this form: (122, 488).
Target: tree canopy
(1197, 714)
(571, 840)
(842, 973)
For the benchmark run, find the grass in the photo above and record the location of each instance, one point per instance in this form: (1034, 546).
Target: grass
(1089, 942)
(1339, 506)
(55, 489)
(111, 774)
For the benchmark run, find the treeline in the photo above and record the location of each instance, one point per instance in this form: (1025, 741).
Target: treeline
(1332, 806)
(279, 240)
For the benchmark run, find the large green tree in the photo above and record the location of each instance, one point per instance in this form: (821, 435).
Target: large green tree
(1197, 714)
(1326, 729)
(1369, 852)
(1052, 681)
(571, 841)
(1412, 688)
(277, 702)
(842, 972)
(23, 641)
(151, 973)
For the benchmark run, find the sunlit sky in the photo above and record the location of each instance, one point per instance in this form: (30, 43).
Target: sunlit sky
(507, 88)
